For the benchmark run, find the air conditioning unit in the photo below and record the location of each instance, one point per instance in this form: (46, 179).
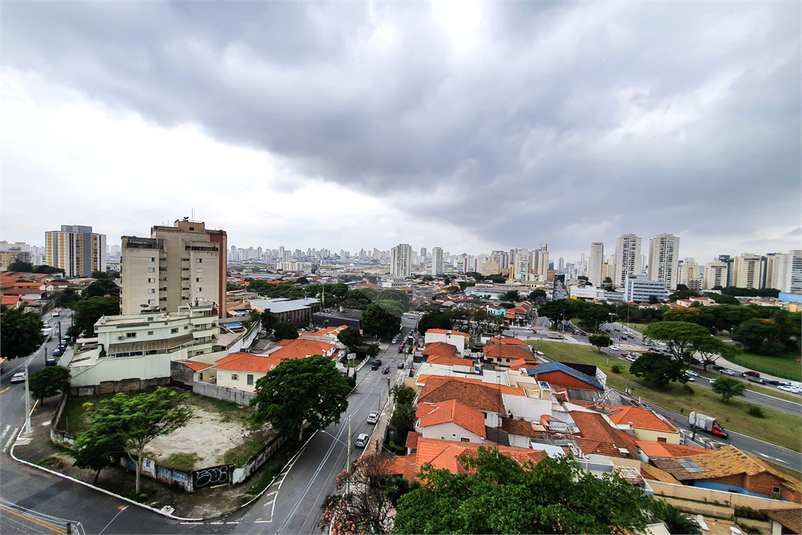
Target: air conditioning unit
(121, 338)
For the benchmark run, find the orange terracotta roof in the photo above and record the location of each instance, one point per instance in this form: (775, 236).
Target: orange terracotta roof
(520, 363)
(507, 351)
(300, 348)
(195, 365)
(664, 449)
(449, 361)
(439, 349)
(443, 453)
(444, 331)
(641, 419)
(518, 427)
(475, 394)
(11, 300)
(594, 427)
(412, 440)
(452, 411)
(511, 341)
(324, 332)
(247, 362)
(404, 465)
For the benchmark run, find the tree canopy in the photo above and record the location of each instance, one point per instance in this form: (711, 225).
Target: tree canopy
(133, 421)
(496, 494)
(599, 341)
(49, 381)
(285, 331)
(679, 336)
(376, 321)
(307, 390)
(434, 320)
(658, 369)
(350, 337)
(20, 332)
(88, 311)
(728, 387)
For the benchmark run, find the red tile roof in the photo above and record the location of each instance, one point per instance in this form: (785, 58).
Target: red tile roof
(593, 427)
(507, 351)
(452, 411)
(443, 453)
(412, 440)
(475, 394)
(641, 419)
(300, 348)
(247, 362)
(444, 331)
(439, 349)
(195, 365)
(664, 449)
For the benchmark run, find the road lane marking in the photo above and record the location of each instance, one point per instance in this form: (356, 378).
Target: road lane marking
(4, 390)
(10, 440)
(5, 432)
(55, 529)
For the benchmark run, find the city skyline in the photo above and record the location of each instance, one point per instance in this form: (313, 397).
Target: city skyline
(472, 126)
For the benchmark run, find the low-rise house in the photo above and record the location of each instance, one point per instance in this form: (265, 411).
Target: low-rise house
(455, 338)
(328, 335)
(450, 420)
(301, 348)
(556, 373)
(240, 370)
(597, 435)
(503, 354)
(645, 424)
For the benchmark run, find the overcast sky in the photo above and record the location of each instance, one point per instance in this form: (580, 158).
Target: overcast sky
(470, 126)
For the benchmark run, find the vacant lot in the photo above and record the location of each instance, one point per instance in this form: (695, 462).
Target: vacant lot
(777, 427)
(218, 433)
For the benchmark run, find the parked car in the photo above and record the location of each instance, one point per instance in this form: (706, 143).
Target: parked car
(788, 388)
(691, 373)
(717, 367)
(362, 440)
(51, 361)
(58, 352)
(373, 417)
(18, 377)
(374, 367)
(757, 380)
(751, 373)
(727, 371)
(56, 313)
(689, 378)
(386, 370)
(400, 365)
(615, 347)
(773, 382)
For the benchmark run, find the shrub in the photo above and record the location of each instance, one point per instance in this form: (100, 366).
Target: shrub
(755, 411)
(616, 368)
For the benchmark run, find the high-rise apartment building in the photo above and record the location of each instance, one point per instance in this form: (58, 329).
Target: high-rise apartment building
(690, 274)
(746, 271)
(539, 262)
(784, 272)
(627, 258)
(596, 264)
(716, 274)
(401, 260)
(519, 263)
(502, 258)
(664, 259)
(437, 261)
(76, 249)
(173, 267)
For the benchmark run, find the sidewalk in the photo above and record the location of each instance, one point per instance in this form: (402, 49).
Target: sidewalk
(200, 505)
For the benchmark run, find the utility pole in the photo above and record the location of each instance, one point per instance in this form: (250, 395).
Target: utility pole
(348, 460)
(27, 401)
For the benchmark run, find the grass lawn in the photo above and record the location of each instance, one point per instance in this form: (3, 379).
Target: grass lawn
(769, 391)
(786, 366)
(634, 326)
(777, 427)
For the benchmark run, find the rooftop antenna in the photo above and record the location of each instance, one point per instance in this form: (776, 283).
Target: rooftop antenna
(193, 214)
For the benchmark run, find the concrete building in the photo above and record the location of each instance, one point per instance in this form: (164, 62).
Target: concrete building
(76, 249)
(664, 259)
(716, 274)
(784, 272)
(639, 289)
(401, 261)
(437, 261)
(539, 262)
(746, 271)
(690, 274)
(519, 263)
(175, 265)
(596, 263)
(627, 259)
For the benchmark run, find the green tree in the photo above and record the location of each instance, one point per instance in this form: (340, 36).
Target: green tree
(373, 351)
(350, 337)
(675, 520)
(496, 494)
(691, 315)
(434, 320)
(269, 321)
(94, 452)
(377, 322)
(135, 420)
(560, 309)
(403, 395)
(49, 381)
(20, 267)
(723, 299)
(395, 295)
(100, 288)
(728, 387)
(679, 336)
(591, 316)
(709, 349)
(88, 311)
(65, 298)
(599, 341)
(537, 295)
(754, 333)
(727, 317)
(100, 275)
(658, 369)
(682, 295)
(20, 332)
(285, 331)
(307, 390)
(391, 307)
(510, 296)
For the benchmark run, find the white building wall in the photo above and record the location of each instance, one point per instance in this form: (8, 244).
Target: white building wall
(449, 431)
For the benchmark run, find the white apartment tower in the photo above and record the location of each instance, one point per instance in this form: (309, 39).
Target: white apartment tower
(76, 249)
(715, 275)
(540, 262)
(784, 272)
(596, 264)
(664, 259)
(690, 274)
(746, 271)
(175, 266)
(627, 259)
(401, 260)
(519, 263)
(437, 261)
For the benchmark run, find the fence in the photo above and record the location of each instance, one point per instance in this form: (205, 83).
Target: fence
(225, 393)
(57, 436)
(714, 502)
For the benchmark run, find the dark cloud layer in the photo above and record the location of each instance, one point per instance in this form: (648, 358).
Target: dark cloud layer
(550, 122)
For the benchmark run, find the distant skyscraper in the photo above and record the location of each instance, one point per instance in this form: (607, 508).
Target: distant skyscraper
(690, 274)
(596, 263)
(519, 262)
(423, 255)
(502, 258)
(561, 263)
(746, 271)
(716, 274)
(540, 262)
(401, 260)
(437, 261)
(627, 258)
(76, 250)
(664, 259)
(784, 272)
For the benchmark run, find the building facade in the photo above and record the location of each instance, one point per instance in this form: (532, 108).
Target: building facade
(663, 259)
(746, 271)
(690, 274)
(716, 274)
(76, 249)
(596, 263)
(401, 260)
(174, 266)
(437, 261)
(627, 258)
(639, 289)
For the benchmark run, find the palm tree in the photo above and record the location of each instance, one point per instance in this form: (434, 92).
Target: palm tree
(675, 520)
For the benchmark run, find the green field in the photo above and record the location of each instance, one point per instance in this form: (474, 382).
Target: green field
(786, 366)
(777, 427)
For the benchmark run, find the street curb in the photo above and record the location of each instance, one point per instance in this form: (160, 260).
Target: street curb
(104, 491)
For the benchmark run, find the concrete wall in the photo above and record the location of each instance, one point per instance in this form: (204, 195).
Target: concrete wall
(713, 502)
(221, 392)
(652, 435)
(118, 369)
(112, 387)
(449, 431)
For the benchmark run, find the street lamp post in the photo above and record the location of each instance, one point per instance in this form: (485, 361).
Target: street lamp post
(27, 402)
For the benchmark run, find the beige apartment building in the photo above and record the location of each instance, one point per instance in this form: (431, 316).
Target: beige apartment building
(746, 271)
(76, 249)
(715, 275)
(176, 265)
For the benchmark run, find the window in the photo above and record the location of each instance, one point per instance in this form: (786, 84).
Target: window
(151, 290)
(151, 270)
(186, 327)
(200, 376)
(199, 270)
(199, 289)
(200, 260)
(130, 335)
(775, 490)
(661, 439)
(250, 379)
(174, 331)
(234, 377)
(150, 333)
(464, 439)
(151, 280)
(152, 259)
(197, 279)
(151, 301)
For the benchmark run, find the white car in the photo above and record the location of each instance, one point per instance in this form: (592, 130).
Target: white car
(615, 348)
(362, 440)
(691, 373)
(784, 388)
(56, 313)
(373, 417)
(18, 377)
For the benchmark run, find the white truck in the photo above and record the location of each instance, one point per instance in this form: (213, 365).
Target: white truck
(706, 423)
